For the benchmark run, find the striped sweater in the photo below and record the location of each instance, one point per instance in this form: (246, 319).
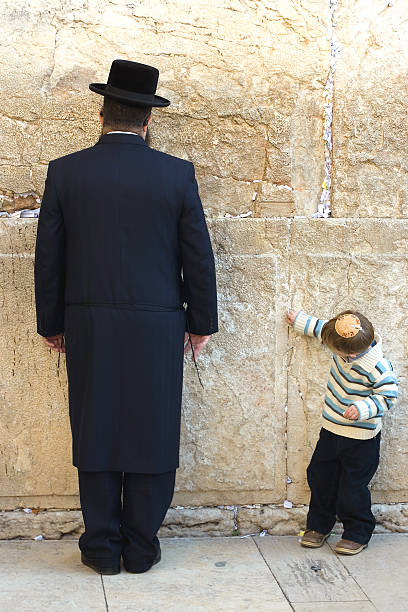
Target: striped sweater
(368, 382)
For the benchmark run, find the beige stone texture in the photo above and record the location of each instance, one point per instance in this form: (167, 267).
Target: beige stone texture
(293, 566)
(200, 521)
(19, 524)
(57, 524)
(335, 606)
(393, 550)
(31, 571)
(215, 468)
(238, 442)
(391, 517)
(370, 107)
(335, 265)
(242, 372)
(275, 520)
(33, 410)
(192, 521)
(270, 574)
(200, 575)
(245, 81)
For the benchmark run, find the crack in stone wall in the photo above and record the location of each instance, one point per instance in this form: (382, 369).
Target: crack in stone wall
(324, 207)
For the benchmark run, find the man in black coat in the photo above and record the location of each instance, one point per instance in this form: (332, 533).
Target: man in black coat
(123, 268)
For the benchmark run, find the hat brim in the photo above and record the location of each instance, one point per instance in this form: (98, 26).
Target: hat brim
(127, 97)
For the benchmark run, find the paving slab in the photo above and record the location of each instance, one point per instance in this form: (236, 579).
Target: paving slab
(382, 571)
(335, 606)
(210, 574)
(47, 575)
(307, 575)
(196, 575)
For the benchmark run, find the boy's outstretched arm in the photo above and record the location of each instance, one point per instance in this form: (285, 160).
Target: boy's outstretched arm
(305, 324)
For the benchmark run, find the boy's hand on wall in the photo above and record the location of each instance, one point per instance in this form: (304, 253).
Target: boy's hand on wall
(351, 413)
(291, 316)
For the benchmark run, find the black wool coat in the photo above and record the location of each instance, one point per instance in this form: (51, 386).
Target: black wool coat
(122, 244)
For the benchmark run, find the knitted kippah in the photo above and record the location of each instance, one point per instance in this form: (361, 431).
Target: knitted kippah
(347, 325)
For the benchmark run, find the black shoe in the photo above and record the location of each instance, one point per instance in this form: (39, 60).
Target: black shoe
(136, 570)
(106, 570)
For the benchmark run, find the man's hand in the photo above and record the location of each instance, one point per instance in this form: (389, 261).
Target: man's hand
(56, 343)
(291, 316)
(351, 413)
(199, 343)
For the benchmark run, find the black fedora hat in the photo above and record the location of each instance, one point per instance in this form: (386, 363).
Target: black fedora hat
(131, 83)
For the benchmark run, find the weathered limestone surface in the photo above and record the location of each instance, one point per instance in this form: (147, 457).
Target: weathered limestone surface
(277, 520)
(233, 431)
(195, 522)
(356, 263)
(34, 421)
(242, 371)
(198, 522)
(292, 566)
(57, 524)
(48, 524)
(370, 107)
(245, 80)
(238, 442)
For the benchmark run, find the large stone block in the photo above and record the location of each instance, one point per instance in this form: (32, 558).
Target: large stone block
(35, 457)
(234, 428)
(335, 265)
(200, 521)
(245, 81)
(51, 525)
(369, 125)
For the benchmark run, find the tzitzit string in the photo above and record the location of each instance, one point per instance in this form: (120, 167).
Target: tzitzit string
(193, 352)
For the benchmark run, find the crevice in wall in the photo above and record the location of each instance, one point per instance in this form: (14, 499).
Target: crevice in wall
(288, 356)
(235, 510)
(324, 206)
(25, 204)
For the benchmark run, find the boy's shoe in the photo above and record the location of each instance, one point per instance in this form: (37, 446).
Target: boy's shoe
(348, 547)
(313, 539)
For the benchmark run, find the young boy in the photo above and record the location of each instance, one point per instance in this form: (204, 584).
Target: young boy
(361, 387)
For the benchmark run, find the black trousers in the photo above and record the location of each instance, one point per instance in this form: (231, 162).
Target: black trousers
(122, 513)
(338, 477)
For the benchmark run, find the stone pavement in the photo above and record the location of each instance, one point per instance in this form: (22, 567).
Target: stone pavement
(271, 573)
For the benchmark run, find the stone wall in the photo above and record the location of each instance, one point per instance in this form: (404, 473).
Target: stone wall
(246, 80)
(239, 444)
(370, 128)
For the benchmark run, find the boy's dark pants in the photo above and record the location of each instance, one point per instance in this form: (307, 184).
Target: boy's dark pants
(338, 475)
